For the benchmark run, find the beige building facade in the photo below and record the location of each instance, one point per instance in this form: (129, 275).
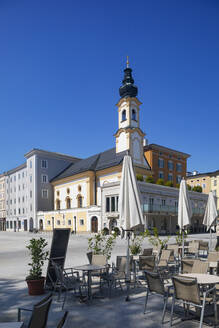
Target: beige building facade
(2, 203)
(203, 180)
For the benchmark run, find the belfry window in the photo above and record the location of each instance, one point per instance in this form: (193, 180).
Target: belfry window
(57, 204)
(134, 115)
(124, 115)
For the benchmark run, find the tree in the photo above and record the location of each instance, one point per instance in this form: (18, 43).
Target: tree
(160, 181)
(139, 177)
(189, 187)
(149, 179)
(169, 183)
(197, 189)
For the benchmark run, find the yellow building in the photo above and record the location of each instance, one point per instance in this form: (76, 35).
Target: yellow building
(203, 180)
(215, 185)
(78, 189)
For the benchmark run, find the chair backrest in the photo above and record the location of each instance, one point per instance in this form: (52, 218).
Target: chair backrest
(89, 256)
(58, 272)
(175, 249)
(43, 300)
(99, 260)
(62, 321)
(154, 282)
(186, 289)
(121, 263)
(146, 263)
(164, 257)
(213, 256)
(193, 247)
(40, 315)
(203, 245)
(186, 265)
(147, 251)
(199, 267)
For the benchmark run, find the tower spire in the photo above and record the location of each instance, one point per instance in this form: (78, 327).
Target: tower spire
(128, 89)
(127, 61)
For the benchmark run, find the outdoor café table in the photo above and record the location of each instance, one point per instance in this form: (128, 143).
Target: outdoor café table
(11, 324)
(89, 268)
(202, 278)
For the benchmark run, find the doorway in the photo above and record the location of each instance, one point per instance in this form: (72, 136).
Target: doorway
(41, 225)
(94, 224)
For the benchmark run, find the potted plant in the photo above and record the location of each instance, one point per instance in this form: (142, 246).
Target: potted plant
(35, 280)
(102, 244)
(136, 245)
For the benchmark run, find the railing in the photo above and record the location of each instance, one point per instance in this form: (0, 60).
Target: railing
(147, 208)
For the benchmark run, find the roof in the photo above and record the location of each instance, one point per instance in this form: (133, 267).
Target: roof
(50, 153)
(18, 168)
(104, 160)
(159, 147)
(199, 175)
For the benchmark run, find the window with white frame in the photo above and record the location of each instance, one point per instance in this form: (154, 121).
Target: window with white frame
(112, 203)
(161, 175)
(44, 193)
(44, 163)
(161, 163)
(215, 182)
(81, 221)
(44, 178)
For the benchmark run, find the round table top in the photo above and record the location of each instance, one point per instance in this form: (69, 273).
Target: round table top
(212, 264)
(89, 267)
(11, 324)
(202, 278)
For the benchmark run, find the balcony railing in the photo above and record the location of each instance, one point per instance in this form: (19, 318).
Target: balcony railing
(147, 208)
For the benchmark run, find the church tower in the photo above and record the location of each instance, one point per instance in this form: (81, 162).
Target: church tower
(129, 136)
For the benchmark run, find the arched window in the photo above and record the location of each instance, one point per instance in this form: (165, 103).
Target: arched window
(58, 204)
(134, 115)
(68, 202)
(124, 115)
(79, 201)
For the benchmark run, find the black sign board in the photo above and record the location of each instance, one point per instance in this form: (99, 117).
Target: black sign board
(57, 253)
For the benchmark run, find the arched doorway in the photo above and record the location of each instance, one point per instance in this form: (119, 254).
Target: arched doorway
(41, 224)
(112, 224)
(31, 224)
(94, 224)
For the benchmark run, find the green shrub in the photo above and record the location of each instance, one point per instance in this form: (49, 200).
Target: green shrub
(189, 187)
(116, 231)
(139, 177)
(169, 184)
(149, 179)
(105, 231)
(197, 189)
(177, 185)
(160, 181)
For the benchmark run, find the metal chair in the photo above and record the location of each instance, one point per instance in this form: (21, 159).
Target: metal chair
(199, 267)
(39, 311)
(213, 256)
(67, 280)
(186, 265)
(186, 291)
(147, 251)
(156, 286)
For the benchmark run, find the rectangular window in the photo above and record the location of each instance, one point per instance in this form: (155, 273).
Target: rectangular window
(215, 182)
(203, 186)
(23, 211)
(69, 222)
(44, 178)
(31, 178)
(170, 165)
(19, 211)
(170, 177)
(44, 193)
(178, 167)
(44, 164)
(163, 202)
(113, 204)
(10, 224)
(107, 204)
(161, 163)
(31, 193)
(48, 222)
(58, 222)
(161, 175)
(23, 175)
(14, 212)
(15, 178)
(81, 222)
(19, 176)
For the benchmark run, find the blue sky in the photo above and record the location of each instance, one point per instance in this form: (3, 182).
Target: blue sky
(61, 65)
